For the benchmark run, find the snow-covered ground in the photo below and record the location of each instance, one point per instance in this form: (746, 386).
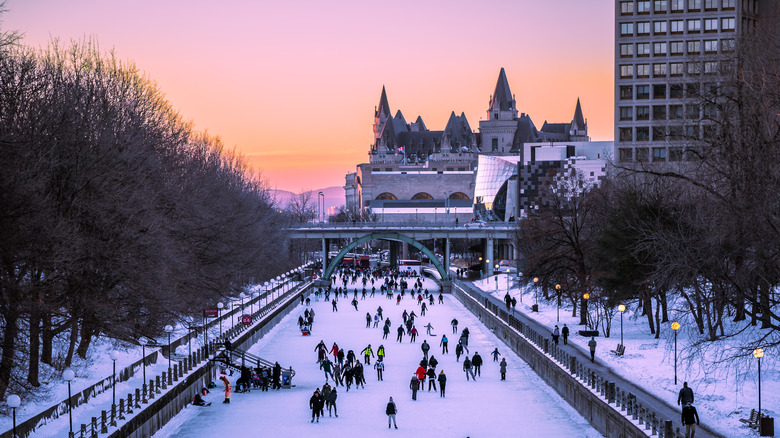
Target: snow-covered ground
(521, 406)
(723, 394)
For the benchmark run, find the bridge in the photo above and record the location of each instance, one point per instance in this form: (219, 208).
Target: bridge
(411, 234)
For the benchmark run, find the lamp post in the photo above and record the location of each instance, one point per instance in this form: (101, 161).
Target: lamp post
(114, 356)
(242, 295)
(321, 202)
(265, 286)
(758, 353)
(143, 353)
(535, 307)
(622, 309)
(584, 309)
(675, 327)
(68, 375)
(168, 329)
(497, 272)
(220, 306)
(558, 292)
(14, 402)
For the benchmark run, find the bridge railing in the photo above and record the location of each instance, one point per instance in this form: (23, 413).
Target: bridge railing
(404, 225)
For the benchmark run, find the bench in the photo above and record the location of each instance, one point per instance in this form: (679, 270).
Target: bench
(589, 333)
(753, 420)
(620, 350)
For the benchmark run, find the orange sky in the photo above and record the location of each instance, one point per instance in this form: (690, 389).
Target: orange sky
(293, 84)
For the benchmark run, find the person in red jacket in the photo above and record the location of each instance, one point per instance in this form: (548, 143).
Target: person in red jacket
(421, 375)
(228, 388)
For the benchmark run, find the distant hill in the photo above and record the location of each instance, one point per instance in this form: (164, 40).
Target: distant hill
(334, 197)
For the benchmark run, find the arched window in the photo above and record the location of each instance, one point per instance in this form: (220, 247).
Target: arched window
(459, 195)
(421, 195)
(386, 197)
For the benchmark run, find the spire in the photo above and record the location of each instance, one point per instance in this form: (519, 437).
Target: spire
(579, 121)
(384, 107)
(502, 97)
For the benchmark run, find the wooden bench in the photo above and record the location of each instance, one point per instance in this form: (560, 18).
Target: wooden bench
(620, 350)
(589, 333)
(753, 420)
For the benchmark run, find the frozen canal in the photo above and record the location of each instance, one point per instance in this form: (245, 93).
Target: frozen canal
(520, 406)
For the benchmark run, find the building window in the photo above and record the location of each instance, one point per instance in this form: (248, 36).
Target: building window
(692, 112)
(727, 24)
(643, 133)
(660, 6)
(642, 154)
(627, 8)
(694, 26)
(694, 5)
(625, 134)
(692, 89)
(692, 132)
(711, 46)
(659, 70)
(694, 47)
(729, 5)
(626, 154)
(675, 154)
(675, 112)
(659, 49)
(711, 25)
(627, 29)
(642, 91)
(710, 67)
(675, 132)
(659, 91)
(659, 27)
(626, 92)
(728, 45)
(710, 111)
(694, 68)
(627, 71)
(677, 47)
(494, 144)
(643, 28)
(643, 113)
(707, 132)
(643, 49)
(659, 154)
(677, 26)
(626, 113)
(678, 5)
(643, 7)
(676, 68)
(626, 50)
(643, 70)
(659, 112)
(676, 91)
(659, 133)
(710, 5)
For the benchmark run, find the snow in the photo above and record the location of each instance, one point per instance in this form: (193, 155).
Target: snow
(723, 395)
(487, 407)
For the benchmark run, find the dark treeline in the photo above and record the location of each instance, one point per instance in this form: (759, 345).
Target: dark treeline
(704, 230)
(116, 218)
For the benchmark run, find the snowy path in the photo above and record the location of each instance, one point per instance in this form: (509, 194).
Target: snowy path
(521, 405)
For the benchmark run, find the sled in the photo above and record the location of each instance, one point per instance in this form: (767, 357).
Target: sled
(305, 331)
(203, 406)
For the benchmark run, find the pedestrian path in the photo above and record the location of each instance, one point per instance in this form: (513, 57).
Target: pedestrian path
(488, 407)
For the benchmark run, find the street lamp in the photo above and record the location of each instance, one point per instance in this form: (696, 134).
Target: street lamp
(675, 327)
(535, 307)
(558, 292)
(14, 402)
(321, 202)
(622, 309)
(497, 272)
(68, 375)
(114, 356)
(220, 306)
(758, 353)
(584, 309)
(265, 286)
(168, 329)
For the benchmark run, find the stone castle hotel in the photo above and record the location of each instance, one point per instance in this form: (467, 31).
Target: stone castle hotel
(417, 174)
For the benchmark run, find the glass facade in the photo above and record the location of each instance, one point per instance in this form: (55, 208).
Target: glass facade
(491, 189)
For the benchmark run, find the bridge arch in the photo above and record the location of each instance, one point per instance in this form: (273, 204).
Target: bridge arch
(386, 236)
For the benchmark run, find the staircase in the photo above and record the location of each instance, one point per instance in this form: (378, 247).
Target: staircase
(235, 359)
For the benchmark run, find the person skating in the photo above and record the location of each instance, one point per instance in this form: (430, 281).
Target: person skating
(380, 352)
(401, 332)
(431, 374)
(414, 385)
(340, 357)
(331, 402)
(376, 320)
(355, 303)
(351, 357)
(690, 418)
(495, 354)
(425, 347)
(327, 366)
(338, 378)
(454, 324)
(334, 350)
(321, 350)
(565, 333)
(314, 405)
(421, 374)
(555, 334)
(592, 346)
(413, 334)
(324, 394)
(441, 298)
(433, 362)
(443, 344)
(685, 396)
(391, 410)
(468, 369)
(277, 375)
(228, 388)
(380, 367)
(502, 368)
(442, 383)
(335, 307)
(367, 354)
(428, 329)
(423, 308)
(464, 340)
(379, 312)
(348, 374)
(458, 351)
(477, 362)
(405, 316)
(357, 372)
(368, 320)
(385, 331)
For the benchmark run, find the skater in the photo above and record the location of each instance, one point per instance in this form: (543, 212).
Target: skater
(331, 402)
(458, 351)
(385, 331)
(335, 308)
(277, 375)
(414, 385)
(442, 383)
(321, 350)
(367, 354)
(685, 396)
(441, 298)
(421, 373)
(592, 346)
(454, 324)
(360, 378)
(351, 357)
(228, 388)
(314, 405)
(464, 340)
(338, 378)
(380, 367)
(443, 344)
(433, 362)
(477, 362)
(348, 374)
(555, 334)
(431, 374)
(376, 320)
(379, 312)
(368, 320)
(380, 352)
(400, 333)
(565, 333)
(428, 329)
(502, 368)
(514, 304)
(413, 333)
(355, 303)
(425, 347)
(690, 418)
(341, 357)
(495, 354)
(334, 350)
(468, 369)
(391, 410)
(423, 308)
(327, 366)
(198, 400)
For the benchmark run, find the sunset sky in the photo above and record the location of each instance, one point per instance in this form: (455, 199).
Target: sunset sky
(293, 84)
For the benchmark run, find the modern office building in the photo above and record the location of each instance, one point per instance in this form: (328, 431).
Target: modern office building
(669, 53)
